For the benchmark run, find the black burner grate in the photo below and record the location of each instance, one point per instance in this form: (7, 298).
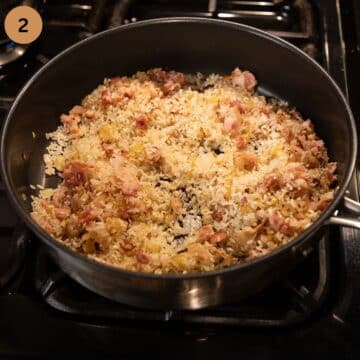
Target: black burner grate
(293, 20)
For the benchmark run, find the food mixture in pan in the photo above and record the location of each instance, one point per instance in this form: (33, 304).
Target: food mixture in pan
(165, 172)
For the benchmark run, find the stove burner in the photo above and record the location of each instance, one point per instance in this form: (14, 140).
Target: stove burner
(293, 20)
(10, 52)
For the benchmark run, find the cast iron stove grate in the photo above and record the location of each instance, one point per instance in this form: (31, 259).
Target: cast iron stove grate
(293, 20)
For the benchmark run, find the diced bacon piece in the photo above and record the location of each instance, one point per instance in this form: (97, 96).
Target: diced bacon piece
(232, 121)
(170, 86)
(175, 81)
(89, 114)
(218, 237)
(88, 214)
(278, 223)
(76, 173)
(85, 217)
(298, 178)
(157, 75)
(243, 200)
(296, 171)
(301, 139)
(129, 189)
(142, 258)
(331, 168)
(141, 123)
(266, 109)
(243, 79)
(311, 160)
(117, 93)
(130, 184)
(106, 97)
(127, 93)
(238, 105)
(108, 148)
(217, 214)
(123, 94)
(71, 121)
(237, 78)
(288, 134)
(62, 212)
(245, 161)
(124, 213)
(205, 233)
(240, 142)
(45, 204)
(316, 147)
(274, 182)
(176, 76)
(169, 81)
(127, 245)
(250, 81)
(153, 154)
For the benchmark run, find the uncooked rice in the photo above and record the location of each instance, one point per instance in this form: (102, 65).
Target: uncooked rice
(170, 173)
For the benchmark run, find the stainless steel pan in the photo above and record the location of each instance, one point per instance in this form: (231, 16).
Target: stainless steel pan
(184, 44)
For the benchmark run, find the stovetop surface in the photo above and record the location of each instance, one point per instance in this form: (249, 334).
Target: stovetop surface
(313, 311)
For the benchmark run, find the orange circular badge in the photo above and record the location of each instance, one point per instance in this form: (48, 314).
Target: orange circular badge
(23, 24)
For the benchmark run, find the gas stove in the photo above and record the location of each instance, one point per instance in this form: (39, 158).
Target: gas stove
(314, 310)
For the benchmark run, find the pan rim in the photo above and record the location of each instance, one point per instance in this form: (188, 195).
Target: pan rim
(319, 222)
